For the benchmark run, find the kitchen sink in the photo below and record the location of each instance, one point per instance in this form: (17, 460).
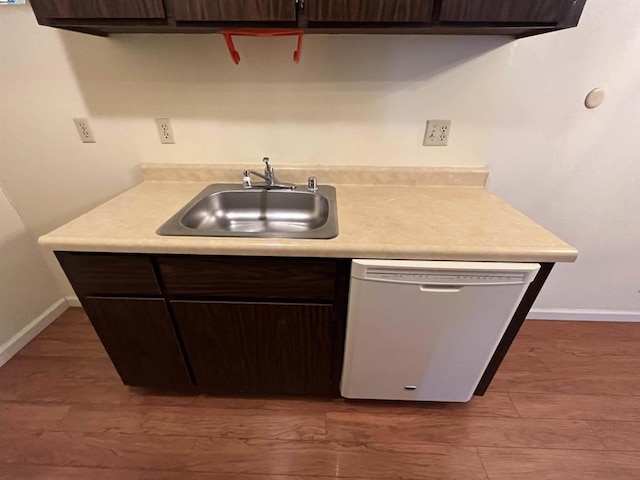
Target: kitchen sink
(224, 210)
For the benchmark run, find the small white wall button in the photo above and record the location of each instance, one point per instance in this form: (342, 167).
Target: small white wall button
(594, 98)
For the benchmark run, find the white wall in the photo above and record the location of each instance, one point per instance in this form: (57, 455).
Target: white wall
(28, 292)
(353, 100)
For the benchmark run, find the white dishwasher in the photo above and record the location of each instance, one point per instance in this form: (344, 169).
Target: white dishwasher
(423, 330)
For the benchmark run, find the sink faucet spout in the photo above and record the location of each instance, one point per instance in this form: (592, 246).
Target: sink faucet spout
(269, 177)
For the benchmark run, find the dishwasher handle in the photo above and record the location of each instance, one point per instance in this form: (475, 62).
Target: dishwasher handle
(440, 288)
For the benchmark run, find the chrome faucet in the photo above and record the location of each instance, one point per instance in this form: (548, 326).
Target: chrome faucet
(269, 177)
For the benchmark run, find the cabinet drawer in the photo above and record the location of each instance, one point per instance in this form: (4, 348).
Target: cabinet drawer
(99, 9)
(236, 10)
(104, 274)
(503, 11)
(249, 277)
(392, 11)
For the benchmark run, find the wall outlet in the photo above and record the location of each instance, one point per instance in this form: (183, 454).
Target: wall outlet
(437, 133)
(165, 131)
(84, 130)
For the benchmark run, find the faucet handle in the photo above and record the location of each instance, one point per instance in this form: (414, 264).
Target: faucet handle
(246, 181)
(312, 184)
(268, 169)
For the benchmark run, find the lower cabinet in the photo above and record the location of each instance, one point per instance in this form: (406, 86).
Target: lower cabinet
(217, 324)
(140, 340)
(270, 348)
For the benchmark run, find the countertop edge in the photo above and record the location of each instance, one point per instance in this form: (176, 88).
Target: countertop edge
(372, 251)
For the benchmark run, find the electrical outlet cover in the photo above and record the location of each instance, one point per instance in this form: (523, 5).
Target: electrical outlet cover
(84, 130)
(165, 131)
(437, 133)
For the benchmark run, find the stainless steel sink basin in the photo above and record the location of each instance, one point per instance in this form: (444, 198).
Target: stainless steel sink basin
(224, 210)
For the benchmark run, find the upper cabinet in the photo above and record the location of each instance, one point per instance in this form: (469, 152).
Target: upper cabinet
(98, 9)
(517, 18)
(368, 11)
(504, 11)
(235, 11)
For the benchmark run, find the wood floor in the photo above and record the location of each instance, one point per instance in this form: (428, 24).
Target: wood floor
(565, 405)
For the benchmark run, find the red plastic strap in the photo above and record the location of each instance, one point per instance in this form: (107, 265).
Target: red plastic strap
(235, 56)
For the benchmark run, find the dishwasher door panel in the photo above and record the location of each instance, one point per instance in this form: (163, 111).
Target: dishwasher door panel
(407, 341)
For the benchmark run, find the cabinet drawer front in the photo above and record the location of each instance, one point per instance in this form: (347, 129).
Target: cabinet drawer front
(236, 10)
(503, 11)
(418, 11)
(103, 274)
(249, 277)
(269, 348)
(116, 9)
(140, 340)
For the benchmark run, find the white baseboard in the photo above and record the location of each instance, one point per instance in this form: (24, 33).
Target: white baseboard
(73, 301)
(584, 315)
(28, 333)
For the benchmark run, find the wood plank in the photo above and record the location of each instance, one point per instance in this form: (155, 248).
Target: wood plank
(185, 421)
(88, 346)
(33, 472)
(544, 464)
(566, 382)
(472, 431)
(577, 347)
(618, 435)
(592, 365)
(105, 450)
(582, 331)
(490, 405)
(48, 472)
(577, 407)
(518, 361)
(333, 459)
(21, 417)
(34, 369)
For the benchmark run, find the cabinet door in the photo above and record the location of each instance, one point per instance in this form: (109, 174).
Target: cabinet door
(140, 339)
(258, 348)
(503, 11)
(99, 9)
(389, 11)
(236, 10)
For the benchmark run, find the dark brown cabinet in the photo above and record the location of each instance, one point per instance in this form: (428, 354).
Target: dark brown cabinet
(262, 325)
(98, 9)
(249, 277)
(139, 338)
(367, 11)
(235, 10)
(504, 11)
(516, 18)
(269, 348)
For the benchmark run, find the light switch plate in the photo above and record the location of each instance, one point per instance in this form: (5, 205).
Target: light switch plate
(437, 133)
